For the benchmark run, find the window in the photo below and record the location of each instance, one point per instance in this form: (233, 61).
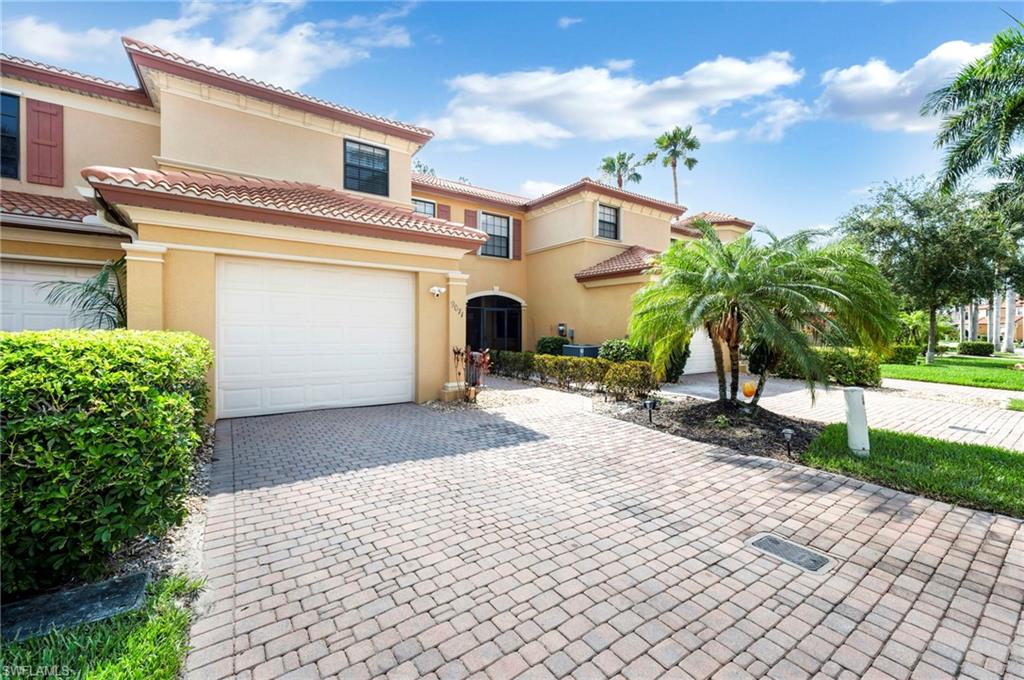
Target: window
(366, 168)
(607, 222)
(9, 139)
(497, 228)
(428, 208)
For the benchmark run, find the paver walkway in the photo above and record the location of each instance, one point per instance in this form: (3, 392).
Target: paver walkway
(541, 540)
(953, 412)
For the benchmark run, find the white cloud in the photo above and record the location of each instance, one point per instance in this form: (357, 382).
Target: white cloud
(566, 22)
(544, 106)
(775, 116)
(533, 188)
(619, 64)
(33, 37)
(261, 40)
(886, 99)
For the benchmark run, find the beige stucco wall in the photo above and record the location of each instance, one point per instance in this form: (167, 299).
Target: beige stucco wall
(96, 132)
(13, 246)
(575, 217)
(172, 282)
(213, 135)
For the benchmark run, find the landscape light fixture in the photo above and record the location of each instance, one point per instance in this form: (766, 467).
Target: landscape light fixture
(650, 405)
(787, 434)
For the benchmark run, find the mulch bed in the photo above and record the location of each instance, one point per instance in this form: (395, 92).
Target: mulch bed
(751, 431)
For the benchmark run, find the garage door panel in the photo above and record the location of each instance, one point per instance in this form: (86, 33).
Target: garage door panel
(298, 336)
(24, 301)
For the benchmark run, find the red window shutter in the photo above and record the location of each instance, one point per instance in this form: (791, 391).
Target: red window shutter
(517, 239)
(45, 143)
(470, 220)
(444, 211)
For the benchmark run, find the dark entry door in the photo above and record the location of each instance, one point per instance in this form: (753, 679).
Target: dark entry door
(494, 322)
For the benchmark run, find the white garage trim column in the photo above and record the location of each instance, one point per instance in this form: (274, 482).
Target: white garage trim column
(145, 282)
(457, 287)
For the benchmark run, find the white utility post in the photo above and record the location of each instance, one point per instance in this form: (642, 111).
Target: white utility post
(856, 422)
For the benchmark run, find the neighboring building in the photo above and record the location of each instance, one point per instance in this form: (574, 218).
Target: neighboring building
(292, 233)
(983, 318)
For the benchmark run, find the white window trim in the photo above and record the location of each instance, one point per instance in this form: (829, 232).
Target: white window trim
(511, 234)
(356, 140)
(597, 221)
(425, 200)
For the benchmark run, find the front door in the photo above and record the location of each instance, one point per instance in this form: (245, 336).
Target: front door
(494, 322)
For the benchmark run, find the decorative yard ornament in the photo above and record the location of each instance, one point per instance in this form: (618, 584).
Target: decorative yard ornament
(749, 388)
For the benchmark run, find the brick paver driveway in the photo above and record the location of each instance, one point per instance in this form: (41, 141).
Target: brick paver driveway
(544, 540)
(974, 415)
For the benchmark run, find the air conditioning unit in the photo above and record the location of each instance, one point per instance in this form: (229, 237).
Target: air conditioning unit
(580, 350)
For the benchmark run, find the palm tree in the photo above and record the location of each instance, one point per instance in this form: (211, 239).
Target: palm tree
(763, 295)
(983, 108)
(99, 301)
(624, 167)
(676, 145)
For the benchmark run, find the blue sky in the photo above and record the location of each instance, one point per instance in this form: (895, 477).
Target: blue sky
(801, 107)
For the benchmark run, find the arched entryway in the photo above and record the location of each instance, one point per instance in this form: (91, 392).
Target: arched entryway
(494, 322)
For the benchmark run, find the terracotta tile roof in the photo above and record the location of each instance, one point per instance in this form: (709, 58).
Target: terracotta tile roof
(274, 201)
(34, 71)
(450, 186)
(633, 260)
(39, 205)
(158, 57)
(587, 183)
(711, 217)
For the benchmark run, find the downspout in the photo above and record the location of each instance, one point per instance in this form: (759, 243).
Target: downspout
(107, 216)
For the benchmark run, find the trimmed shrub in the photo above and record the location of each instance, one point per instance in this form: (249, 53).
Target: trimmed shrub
(512, 364)
(843, 365)
(976, 348)
(619, 350)
(100, 431)
(905, 354)
(551, 344)
(629, 379)
(596, 370)
(676, 364)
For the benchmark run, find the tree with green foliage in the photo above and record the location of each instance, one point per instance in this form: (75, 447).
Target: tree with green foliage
(765, 297)
(99, 301)
(935, 248)
(983, 111)
(624, 167)
(675, 147)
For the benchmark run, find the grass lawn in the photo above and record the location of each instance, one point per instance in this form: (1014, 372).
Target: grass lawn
(148, 643)
(971, 475)
(1016, 405)
(958, 370)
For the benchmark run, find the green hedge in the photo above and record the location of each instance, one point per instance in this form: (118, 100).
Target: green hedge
(551, 344)
(100, 429)
(845, 366)
(571, 371)
(512, 364)
(630, 379)
(619, 350)
(976, 348)
(905, 354)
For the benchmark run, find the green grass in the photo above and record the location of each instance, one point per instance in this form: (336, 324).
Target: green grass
(971, 475)
(959, 370)
(1016, 405)
(149, 643)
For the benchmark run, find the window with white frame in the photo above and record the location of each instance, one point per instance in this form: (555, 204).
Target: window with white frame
(607, 222)
(497, 228)
(428, 208)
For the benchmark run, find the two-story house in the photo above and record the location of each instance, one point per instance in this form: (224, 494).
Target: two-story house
(292, 233)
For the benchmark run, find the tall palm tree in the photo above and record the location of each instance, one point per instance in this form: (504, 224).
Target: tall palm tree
(624, 167)
(983, 108)
(99, 301)
(676, 145)
(770, 295)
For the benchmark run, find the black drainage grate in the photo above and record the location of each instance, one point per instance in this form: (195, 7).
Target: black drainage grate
(790, 552)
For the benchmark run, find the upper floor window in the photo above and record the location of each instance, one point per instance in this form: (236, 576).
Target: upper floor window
(607, 222)
(10, 136)
(428, 208)
(497, 228)
(366, 168)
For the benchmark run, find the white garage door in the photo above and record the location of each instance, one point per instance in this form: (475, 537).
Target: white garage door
(292, 337)
(702, 355)
(23, 305)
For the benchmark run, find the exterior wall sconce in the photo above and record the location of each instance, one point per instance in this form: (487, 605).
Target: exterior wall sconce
(561, 330)
(437, 291)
